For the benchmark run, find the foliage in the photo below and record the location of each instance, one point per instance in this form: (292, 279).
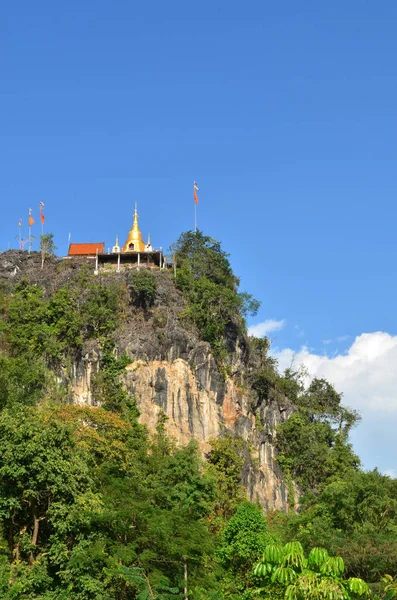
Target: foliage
(347, 511)
(244, 539)
(83, 492)
(263, 376)
(285, 569)
(36, 325)
(206, 278)
(226, 464)
(87, 501)
(390, 587)
(22, 380)
(354, 516)
(41, 473)
(101, 308)
(143, 288)
(107, 388)
(92, 507)
(47, 246)
(313, 443)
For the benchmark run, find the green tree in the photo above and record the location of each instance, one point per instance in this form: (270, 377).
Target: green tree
(225, 463)
(100, 309)
(22, 380)
(107, 385)
(204, 275)
(143, 288)
(285, 570)
(390, 587)
(47, 246)
(354, 516)
(313, 444)
(54, 325)
(41, 473)
(245, 537)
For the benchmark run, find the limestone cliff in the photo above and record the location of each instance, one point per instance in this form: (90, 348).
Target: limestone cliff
(172, 371)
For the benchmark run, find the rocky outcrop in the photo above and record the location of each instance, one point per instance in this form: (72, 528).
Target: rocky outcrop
(181, 380)
(172, 371)
(200, 406)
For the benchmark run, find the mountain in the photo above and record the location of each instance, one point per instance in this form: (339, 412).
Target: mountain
(171, 370)
(150, 449)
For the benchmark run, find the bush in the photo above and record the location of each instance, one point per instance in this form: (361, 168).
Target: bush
(143, 288)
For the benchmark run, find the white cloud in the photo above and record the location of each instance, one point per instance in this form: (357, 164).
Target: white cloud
(266, 327)
(366, 374)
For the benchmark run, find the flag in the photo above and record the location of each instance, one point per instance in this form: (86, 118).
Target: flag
(20, 223)
(31, 219)
(42, 217)
(195, 189)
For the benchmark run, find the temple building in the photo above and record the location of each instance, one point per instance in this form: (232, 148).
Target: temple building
(134, 254)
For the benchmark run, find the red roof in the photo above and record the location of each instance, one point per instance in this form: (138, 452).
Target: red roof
(86, 249)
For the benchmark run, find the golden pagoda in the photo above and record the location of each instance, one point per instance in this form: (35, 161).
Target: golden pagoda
(134, 241)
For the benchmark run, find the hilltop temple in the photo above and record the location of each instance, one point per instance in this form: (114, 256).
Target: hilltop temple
(133, 254)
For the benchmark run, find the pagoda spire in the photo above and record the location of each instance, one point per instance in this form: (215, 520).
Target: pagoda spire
(134, 241)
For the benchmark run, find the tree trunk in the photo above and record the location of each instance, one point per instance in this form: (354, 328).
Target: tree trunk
(185, 579)
(35, 530)
(35, 535)
(16, 551)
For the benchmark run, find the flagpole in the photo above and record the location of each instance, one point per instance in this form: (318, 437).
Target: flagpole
(195, 218)
(30, 223)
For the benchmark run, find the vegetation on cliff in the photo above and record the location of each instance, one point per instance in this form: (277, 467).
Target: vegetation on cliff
(215, 305)
(93, 506)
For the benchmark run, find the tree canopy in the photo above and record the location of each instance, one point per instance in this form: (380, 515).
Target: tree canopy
(94, 507)
(205, 276)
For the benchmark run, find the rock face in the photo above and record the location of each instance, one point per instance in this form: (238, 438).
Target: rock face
(199, 404)
(172, 371)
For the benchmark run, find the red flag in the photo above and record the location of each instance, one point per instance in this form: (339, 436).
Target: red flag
(42, 218)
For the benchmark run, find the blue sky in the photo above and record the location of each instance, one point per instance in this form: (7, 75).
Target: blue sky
(285, 113)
